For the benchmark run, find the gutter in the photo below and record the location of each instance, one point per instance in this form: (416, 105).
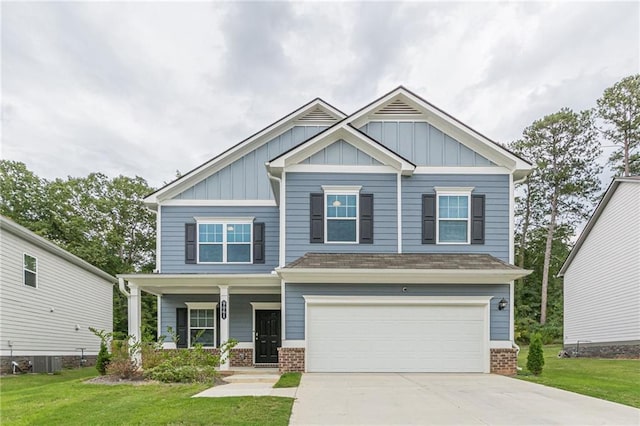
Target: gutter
(122, 287)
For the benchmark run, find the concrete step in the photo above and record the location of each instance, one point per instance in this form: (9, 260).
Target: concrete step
(252, 378)
(248, 370)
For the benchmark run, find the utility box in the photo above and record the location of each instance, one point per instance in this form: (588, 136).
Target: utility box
(47, 364)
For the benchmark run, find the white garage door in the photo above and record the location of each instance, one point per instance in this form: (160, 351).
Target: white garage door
(397, 337)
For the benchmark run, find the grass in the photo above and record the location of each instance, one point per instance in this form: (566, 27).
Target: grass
(65, 399)
(611, 379)
(288, 380)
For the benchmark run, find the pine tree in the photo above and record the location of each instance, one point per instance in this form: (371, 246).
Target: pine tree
(535, 359)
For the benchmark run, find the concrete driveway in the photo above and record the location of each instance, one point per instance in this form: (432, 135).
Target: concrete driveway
(446, 399)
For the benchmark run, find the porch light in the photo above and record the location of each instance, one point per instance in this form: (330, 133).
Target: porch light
(502, 304)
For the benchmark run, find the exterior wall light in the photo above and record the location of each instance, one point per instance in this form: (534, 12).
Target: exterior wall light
(502, 304)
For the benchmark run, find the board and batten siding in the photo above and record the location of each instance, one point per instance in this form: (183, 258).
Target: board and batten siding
(385, 225)
(494, 187)
(173, 239)
(246, 178)
(342, 153)
(240, 312)
(295, 305)
(43, 320)
(602, 283)
(423, 144)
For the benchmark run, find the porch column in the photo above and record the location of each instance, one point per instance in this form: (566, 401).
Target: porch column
(224, 321)
(135, 318)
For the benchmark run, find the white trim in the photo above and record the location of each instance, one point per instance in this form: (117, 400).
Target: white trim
(453, 192)
(500, 344)
(244, 345)
(512, 311)
(399, 210)
(159, 319)
(282, 255)
(263, 306)
(222, 219)
(202, 305)
(159, 239)
(464, 170)
(225, 203)
(342, 189)
(396, 300)
(234, 153)
(334, 168)
(294, 343)
(512, 249)
(266, 306)
(225, 222)
(24, 269)
(348, 190)
(283, 304)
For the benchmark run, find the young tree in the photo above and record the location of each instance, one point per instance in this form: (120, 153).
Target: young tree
(619, 108)
(564, 148)
(535, 359)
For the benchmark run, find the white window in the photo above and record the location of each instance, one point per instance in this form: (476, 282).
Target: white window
(453, 213)
(30, 273)
(225, 241)
(202, 324)
(341, 214)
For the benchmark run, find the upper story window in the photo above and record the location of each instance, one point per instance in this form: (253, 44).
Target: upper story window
(30, 267)
(225, 241)
(341, 216)
(454, 211)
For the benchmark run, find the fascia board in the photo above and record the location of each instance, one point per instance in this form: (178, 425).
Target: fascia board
(397, 300)
(201, 280)
(234, 153)
(406, 276)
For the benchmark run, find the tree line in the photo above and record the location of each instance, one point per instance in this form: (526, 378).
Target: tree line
(104, 221)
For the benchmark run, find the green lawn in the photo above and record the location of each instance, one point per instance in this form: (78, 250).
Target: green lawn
(611, 379)
(289, 380)
(65, 399)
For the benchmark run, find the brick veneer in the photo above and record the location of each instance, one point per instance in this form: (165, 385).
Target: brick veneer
(291, 359)
(241, 357)
(504, 361)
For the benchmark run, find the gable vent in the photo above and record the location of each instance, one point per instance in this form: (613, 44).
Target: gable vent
(398, 107)
(317, 114)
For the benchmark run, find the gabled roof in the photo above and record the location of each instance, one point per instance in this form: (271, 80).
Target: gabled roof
(595, 216)
(314, 112)
(35, 239)
(341, 130)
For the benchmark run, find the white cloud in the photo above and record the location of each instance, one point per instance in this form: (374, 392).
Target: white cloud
(148, 88)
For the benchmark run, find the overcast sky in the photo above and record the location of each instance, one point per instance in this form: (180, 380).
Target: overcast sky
(150, 88)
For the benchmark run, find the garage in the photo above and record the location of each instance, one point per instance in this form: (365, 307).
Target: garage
(397, 334)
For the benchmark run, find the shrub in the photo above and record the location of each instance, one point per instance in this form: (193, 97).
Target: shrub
(535, 359)
(122, 364)
(103, 359)
(152, 355)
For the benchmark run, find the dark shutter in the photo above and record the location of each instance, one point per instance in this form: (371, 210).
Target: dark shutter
(366, 218)
(182, 328)
(258, 242)
(317, 218)
(477, 219)
(428, 218)
(190, 243)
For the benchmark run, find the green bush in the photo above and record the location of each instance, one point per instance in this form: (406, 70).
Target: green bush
(122, 364)
(535, 359)
(103, 359)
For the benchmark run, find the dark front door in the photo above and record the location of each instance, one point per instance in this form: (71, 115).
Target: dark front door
(267, 336)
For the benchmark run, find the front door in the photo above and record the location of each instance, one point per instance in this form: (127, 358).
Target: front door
(267, 336)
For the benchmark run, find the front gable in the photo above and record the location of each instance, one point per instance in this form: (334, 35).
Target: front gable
(342, 153)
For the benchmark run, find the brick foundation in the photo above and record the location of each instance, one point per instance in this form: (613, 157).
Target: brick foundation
(241, 357)
(504, 361)
(291, 359)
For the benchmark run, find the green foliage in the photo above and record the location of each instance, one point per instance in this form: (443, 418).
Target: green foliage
(103, 359)
(288, 380)
(619, 110)
(122, 364)
(535, 359)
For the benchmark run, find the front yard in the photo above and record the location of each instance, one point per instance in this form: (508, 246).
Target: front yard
(611, 379)
(65, 399)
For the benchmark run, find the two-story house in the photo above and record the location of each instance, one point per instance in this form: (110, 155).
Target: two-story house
(380, 241)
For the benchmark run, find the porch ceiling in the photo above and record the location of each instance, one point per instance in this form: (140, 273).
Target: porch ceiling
(204, 283)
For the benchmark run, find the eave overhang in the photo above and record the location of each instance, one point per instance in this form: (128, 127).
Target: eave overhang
(201, 283)
(400, 276)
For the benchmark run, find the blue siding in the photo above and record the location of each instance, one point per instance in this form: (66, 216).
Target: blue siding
(246, 178)
(494, 187)
(423, 144)
(240, 312)
(294, 311)
(300, 185)
(341, 153)
(173, 219)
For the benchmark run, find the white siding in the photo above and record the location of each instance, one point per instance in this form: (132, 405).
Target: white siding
(75, 295)
(602, 284)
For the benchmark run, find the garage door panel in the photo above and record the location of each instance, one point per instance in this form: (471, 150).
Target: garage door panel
(362, 338)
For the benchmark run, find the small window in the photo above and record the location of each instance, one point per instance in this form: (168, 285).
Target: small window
(30, 265)
(225, 242)
(453, 218)
(342, 218)
(202, 327)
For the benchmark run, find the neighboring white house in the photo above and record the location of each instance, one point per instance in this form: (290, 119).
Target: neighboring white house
(48, 300)
(602, 277)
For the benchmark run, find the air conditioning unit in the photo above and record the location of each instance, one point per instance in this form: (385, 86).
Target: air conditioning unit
(47, 364)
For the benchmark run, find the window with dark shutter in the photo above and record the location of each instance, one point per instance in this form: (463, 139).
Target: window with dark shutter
(182, 327)
(366, 218)
(190, 243)
(258, 243)
(317, 218)
(477, 219)
(428, 218)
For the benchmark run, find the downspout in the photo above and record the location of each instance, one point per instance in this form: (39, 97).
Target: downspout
(123, 288)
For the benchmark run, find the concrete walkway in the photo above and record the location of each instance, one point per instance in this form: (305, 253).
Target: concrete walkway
(248, 385)
(446, 399)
